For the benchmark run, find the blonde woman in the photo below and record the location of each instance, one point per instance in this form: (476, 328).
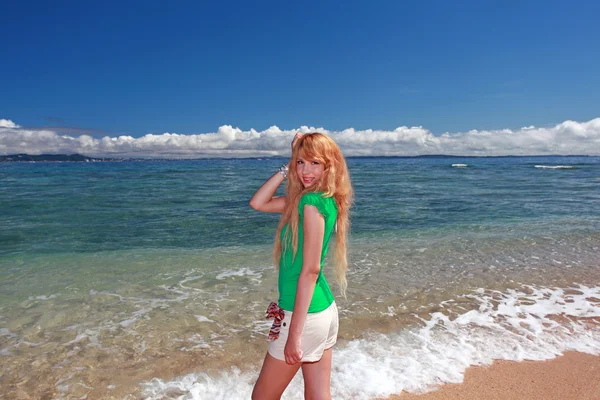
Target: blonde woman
(317, 197)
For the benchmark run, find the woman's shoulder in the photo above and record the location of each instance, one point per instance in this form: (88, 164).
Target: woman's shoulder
(316, 197)
(325, 204)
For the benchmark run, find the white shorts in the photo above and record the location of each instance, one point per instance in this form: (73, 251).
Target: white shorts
(319, 334)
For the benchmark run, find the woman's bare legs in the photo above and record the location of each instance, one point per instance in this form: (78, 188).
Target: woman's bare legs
(274, 377)
(317, 378)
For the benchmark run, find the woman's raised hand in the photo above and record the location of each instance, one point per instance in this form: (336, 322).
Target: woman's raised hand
(296, 137)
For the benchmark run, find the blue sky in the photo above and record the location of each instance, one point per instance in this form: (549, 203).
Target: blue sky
(132, 68)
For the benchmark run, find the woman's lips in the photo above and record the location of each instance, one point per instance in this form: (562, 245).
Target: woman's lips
(307, 180)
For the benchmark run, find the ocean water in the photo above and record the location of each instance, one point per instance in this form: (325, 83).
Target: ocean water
(149, 279)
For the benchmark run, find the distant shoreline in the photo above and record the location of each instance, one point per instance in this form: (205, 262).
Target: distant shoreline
(83, 158)
(54, 157)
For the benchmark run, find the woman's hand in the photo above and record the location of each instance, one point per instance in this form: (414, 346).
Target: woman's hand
(292, 351)
(295, 139)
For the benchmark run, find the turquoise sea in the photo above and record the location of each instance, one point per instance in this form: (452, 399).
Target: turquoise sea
(149, 279)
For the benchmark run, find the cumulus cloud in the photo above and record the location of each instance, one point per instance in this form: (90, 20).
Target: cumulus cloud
(569, 137)
(7, 123)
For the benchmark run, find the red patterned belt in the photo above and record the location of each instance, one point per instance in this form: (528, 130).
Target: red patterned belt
(275, 312)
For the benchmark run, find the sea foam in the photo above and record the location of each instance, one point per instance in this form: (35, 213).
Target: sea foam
(239, 273)
(555, 166)
(534, 323)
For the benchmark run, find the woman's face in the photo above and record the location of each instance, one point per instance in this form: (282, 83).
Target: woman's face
(309, 171)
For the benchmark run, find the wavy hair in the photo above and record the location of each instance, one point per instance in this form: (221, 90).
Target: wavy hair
(335, 182)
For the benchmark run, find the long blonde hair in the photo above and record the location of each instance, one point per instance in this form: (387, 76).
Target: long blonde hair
(335, 182)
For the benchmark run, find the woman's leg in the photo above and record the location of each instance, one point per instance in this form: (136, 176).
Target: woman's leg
(274, 377)
(317, 378)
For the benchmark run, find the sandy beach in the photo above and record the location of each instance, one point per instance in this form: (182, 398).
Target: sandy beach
(573, 376)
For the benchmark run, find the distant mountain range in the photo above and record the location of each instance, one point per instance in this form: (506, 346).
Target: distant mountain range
(53, 157)
(82, 158)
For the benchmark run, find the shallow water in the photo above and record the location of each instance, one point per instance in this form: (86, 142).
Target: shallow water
(150, 279)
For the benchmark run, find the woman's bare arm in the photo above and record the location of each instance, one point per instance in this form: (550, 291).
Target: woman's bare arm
(314, 230)
(264, 199)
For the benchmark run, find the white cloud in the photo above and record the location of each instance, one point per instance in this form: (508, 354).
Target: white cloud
(569, 137)
(7, 123)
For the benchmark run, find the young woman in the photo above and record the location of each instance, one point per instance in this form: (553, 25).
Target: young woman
(317, 197)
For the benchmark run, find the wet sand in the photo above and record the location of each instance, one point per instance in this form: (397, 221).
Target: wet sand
(573, 376)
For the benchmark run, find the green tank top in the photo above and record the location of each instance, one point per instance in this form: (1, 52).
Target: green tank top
(289, 270)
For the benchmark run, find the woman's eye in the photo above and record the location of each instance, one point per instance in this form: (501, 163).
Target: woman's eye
(315, 163)
(300, 162)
